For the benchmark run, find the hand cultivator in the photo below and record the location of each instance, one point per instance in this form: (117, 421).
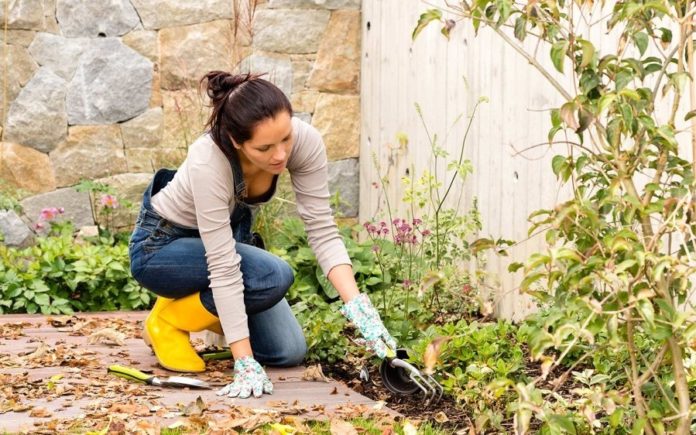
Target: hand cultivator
(403, 378)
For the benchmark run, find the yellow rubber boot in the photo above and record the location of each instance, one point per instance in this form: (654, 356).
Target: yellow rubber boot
(183, 315)
(169, 340)
(160, 302)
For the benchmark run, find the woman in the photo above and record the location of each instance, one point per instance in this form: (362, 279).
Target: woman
(192, 244)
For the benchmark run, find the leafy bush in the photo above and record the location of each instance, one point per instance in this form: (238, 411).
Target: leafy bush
(60, 275)
(477, 364)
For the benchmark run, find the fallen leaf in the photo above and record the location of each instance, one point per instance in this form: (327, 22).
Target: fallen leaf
(196, 407)
(432, 353)
(441, 417)
(60, 321)
(314, 373)
(546, 364)
(107, 336)
(342, 427)
(40, 412)
(379, 405)
(334, 391)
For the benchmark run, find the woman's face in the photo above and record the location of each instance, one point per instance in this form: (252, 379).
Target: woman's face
(270, 144)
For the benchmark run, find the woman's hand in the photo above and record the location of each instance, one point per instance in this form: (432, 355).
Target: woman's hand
(365, 317)
(249, 378)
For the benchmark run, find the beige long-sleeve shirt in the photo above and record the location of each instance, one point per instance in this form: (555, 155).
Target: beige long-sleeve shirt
(201, 196)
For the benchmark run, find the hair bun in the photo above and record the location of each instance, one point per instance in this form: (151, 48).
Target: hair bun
(220, 83)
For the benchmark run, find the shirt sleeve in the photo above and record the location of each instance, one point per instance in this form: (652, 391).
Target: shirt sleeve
(309, 176)
(211, 191)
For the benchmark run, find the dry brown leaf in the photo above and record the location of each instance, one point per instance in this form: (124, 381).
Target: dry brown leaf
(441, 417)
(334, 391)
(432, 353)
(60, 321)
(196, 407)
(315, 374)
(107, 336)
(42, 350)
(342, 427)
(40, 412)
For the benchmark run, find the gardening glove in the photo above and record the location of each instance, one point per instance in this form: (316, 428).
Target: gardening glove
(365, 317)
(249, 377)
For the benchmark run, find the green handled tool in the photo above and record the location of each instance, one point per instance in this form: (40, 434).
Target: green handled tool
(215, 355)
(173, 381)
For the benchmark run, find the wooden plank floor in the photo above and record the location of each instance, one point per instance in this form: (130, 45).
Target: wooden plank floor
(35, 348)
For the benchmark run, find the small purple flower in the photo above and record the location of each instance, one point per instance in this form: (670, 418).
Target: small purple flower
(426, 233)
(39, 226)
(375, 248)
(407, 283)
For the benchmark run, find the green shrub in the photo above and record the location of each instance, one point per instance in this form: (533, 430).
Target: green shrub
(59, 275)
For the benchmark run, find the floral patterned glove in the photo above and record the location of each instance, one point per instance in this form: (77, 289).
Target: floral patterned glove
(365, 317)
(249, 377)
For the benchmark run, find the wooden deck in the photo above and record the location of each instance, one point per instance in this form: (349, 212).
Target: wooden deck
(54, 368)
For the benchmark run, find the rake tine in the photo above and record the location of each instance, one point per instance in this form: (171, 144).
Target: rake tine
(430, 387)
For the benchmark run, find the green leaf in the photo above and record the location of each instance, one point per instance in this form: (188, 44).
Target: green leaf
(562, 422)
(42, 299)
(689, 115)
(588, 52)
(329, 290)
(646, 309)
(426, 18)
(606, 101)
(558, 163)
(641, 39)
(514, 267)
(558, 53)
(521, 28)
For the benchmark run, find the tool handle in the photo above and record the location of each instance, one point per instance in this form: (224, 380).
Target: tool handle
(223, 354)
(130, 374)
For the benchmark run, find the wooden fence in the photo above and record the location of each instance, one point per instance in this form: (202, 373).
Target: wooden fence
(447, 79)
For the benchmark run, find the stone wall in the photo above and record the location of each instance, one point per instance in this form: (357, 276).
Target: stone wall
(107, 90)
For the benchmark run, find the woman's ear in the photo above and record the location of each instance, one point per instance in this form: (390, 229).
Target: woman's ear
(235, 144)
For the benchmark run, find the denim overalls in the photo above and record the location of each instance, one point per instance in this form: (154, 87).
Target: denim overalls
(169, 260)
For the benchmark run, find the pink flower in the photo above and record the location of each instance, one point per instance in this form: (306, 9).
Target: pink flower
(407, 283)
(39, 226)
(109, 201)
(50, 213)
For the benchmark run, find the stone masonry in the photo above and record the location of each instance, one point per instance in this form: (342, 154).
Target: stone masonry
(107, 91)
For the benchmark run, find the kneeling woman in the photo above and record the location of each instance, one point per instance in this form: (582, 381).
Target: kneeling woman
(193, 246)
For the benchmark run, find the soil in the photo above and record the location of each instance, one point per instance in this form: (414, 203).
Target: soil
(445, 413)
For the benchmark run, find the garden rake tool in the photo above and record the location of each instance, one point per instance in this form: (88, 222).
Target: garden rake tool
(400, 377)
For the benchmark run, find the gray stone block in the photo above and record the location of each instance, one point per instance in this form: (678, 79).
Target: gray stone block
(279, 70)
(14, 231)
(112, 83)
(59, 54)
(37, 117)
(344, 178)
(289, 30)
(96, 18)
(77, 206)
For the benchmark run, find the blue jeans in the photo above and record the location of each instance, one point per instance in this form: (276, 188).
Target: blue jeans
(170, 261)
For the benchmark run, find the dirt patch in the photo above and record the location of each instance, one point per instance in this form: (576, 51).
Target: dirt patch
(446, 413)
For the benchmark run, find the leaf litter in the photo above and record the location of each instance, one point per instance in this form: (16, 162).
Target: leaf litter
(110, 405)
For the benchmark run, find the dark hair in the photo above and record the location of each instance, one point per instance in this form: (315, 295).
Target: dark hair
(239, 102)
